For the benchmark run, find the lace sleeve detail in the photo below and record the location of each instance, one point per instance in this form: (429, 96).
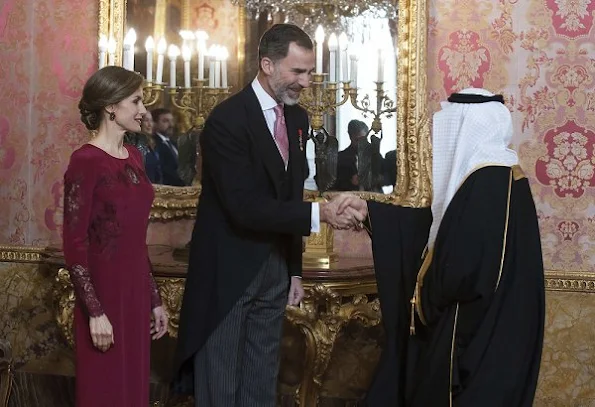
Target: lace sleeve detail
(84, 289)
(155, 297)
(79, 186)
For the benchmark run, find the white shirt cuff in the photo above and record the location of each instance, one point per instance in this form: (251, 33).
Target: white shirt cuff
(315, 215)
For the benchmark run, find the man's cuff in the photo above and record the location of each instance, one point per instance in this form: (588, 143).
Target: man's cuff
(315, 218)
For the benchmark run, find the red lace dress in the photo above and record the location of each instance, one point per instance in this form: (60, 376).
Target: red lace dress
(106, 211)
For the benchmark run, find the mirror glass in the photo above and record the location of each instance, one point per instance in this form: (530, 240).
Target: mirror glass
(353, 149)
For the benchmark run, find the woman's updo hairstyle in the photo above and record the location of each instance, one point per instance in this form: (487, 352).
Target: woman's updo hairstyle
(108, 86)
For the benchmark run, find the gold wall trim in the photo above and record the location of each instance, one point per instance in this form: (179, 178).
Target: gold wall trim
(573, 281)
(112, 15)
(26, 254)
(174, 202)
(414, 153)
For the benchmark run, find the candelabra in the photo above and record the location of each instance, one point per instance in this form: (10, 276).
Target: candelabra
(193, 104)
(384, 106)
(320, 99)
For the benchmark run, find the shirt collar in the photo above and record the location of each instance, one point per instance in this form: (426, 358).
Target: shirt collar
(162, 137)
(265, 100)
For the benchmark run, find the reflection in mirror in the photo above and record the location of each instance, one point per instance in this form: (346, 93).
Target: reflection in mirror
(194, 54)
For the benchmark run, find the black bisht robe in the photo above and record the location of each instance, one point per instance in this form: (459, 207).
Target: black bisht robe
(482, 298)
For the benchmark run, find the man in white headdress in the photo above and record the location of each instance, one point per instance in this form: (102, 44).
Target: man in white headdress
(462, 287)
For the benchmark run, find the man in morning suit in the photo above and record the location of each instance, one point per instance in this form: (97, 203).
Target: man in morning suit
(246, 248)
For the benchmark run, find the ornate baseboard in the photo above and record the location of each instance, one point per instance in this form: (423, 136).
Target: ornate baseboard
(555, 280)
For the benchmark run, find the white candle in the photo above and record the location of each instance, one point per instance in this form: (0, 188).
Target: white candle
(343, 55)
(111, 50)
(186, 55)
(332, 47)
(212, 52)
(150, 46)
(161, 47)
(319, 36)
(201, 48)
(218, 71)
(380, 66)
(128, 50)
(353, 73)
(172, 53)
(224, 57)
(102, 50)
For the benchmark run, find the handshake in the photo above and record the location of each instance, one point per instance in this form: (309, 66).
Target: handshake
(344, 211)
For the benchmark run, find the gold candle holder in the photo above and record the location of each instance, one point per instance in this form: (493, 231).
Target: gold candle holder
(192, 104)
(384, 106)
(319, 99)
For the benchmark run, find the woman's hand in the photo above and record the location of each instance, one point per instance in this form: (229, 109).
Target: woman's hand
(159, 323)
(102, 332)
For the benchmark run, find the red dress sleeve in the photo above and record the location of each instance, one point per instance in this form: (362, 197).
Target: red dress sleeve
(79, 185)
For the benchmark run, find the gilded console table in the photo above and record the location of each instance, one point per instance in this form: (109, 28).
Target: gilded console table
(334, 297)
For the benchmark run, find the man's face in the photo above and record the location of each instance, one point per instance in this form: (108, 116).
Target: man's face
(288, 76)
(358, 136)
(165, 124)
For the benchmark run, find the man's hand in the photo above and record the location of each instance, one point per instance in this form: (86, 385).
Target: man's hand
(351, 203)
(329, 213)
(344, 211)
(296, 291)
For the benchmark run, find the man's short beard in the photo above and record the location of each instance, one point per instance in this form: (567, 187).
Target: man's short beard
(286, 99)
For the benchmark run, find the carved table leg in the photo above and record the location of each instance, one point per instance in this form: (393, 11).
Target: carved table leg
(5, 372)
(321, 318)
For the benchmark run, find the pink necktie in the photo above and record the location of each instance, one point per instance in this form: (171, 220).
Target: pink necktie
(280, 133)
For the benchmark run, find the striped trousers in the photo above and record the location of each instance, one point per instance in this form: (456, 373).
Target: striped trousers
(239, 364)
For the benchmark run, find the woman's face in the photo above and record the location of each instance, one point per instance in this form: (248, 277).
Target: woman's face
(130, 111)
(146, 125)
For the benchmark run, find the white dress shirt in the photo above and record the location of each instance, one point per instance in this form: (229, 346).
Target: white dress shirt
(267, 103)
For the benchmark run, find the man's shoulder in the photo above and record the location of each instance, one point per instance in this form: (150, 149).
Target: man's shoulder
(231, 106)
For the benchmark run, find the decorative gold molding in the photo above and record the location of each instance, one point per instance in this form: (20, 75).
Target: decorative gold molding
(555, 280)
(174, 202)
(573, 281)
(112, 17)
(414, 157)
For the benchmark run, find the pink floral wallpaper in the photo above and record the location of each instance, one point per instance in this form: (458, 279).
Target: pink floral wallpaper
(47, 50)
(541, 55)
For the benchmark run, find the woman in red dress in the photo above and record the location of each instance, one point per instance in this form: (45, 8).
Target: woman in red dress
(107, 199)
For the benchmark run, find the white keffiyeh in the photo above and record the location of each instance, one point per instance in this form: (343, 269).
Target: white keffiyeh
(466, 137)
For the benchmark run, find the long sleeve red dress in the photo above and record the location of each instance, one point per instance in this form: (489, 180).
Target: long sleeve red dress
(107, 201)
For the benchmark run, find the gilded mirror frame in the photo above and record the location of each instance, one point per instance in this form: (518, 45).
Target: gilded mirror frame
(414, 156)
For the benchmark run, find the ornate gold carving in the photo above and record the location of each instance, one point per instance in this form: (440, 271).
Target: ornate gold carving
(174, 202)
(321, 317)
(320, 248)
(112, 15)
(414, 154)
(65, 305)
(570, 281)
(5, 372)
(21, 254)
(172, 291)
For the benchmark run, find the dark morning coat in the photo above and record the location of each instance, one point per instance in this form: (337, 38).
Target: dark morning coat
(248, 204)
